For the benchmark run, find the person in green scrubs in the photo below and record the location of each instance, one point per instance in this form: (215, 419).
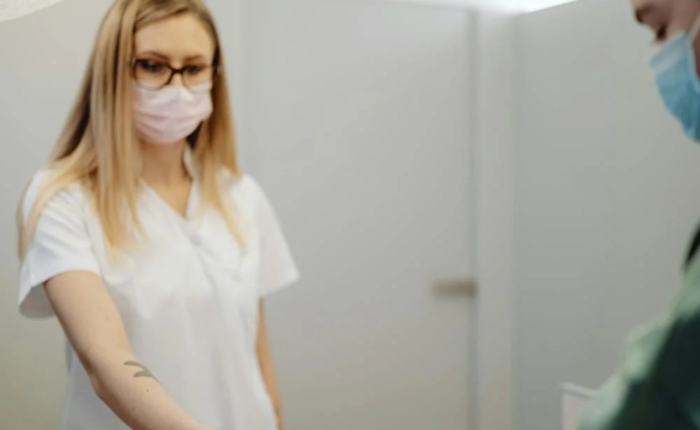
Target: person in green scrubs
(657, 386)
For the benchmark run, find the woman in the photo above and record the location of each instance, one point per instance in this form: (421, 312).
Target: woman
(147, 243)
(658, 385)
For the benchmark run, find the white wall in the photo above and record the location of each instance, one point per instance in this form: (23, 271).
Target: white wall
(606, 199)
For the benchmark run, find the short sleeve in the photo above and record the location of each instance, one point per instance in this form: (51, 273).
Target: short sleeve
(277, 267)
(60, 244)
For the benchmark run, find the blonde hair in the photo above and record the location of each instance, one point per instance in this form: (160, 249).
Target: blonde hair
(98, 147)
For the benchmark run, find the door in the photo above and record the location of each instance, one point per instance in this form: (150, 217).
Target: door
(354, 120)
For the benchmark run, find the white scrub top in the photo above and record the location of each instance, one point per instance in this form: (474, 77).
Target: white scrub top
(188, 297)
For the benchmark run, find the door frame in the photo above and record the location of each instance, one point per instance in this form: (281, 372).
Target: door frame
(493, 99)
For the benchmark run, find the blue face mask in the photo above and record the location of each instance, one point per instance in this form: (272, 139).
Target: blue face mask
(674, 67)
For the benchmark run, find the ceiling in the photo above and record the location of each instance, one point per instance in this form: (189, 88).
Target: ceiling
(515, 6)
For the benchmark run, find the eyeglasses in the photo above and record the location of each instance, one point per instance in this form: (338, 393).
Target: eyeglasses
(153, 75)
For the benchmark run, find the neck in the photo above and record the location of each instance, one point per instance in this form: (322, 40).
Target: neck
(163, 164)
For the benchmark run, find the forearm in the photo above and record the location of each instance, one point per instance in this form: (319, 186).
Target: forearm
(95, 330)
(134, 395)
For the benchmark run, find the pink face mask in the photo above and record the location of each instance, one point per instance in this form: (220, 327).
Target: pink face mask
(168, 115)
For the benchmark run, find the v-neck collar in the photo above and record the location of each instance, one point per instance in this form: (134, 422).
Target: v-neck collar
(193, 196)
(192, 201)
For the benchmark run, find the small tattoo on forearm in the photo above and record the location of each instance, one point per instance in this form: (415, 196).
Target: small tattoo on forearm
(143, 373)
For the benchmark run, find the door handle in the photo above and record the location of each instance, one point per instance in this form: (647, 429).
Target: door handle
(458, 286)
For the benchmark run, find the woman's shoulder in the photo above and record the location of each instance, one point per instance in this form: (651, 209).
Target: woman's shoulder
(244, 188)
(47, 184)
